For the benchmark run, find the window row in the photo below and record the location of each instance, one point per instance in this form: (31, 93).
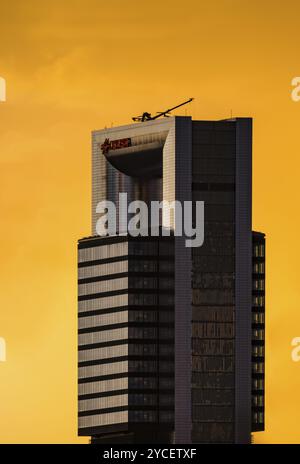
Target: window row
(103, 252)
(258, 301)
(151, 316)
(207, 396)
(259, 251)
(151, 416)
(258, 368)
(258, 284)
(151, 366)
(258, 417)
(258, 334)
(258, 318)
(259, 268)
(102, 403)
(212, 330)
(258, 400)
(103, 369)
(102, 386)
(103, 269)
(94, 304)
(154, 248)
(151, 349)
(101, 320)
(103, 286)
(258, 384)
(150, 266)
(151, 282)
(213, 364)
(102, 353)
(103, 336)
(212, 347)
(213, 413)
(258, 350)
(139, 299)
(146, 399)
(103, 419)
(151, 382)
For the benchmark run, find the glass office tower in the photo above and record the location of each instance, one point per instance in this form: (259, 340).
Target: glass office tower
(166, 334)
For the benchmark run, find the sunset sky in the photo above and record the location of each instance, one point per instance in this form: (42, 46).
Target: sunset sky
(73, 66)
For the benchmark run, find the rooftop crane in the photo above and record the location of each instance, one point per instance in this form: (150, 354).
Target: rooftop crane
(147, 116)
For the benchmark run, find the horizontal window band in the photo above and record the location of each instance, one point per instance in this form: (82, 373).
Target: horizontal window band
(213, 355)
(96, 312)
(95, 262)
(200, 387)
(130, 324)
(130, 391)
(89, 280)
(212, 338)
(201, 403)
(229, 306)
(103, 345)
(103, 328)
(213, 186)
(142, 357)
(213, 322)
(127, 257)
(95, 412)
(129, 375)
(129, 291)
(214, 421)
(99, 378)
(93, 296)
(131, 274)
(96, 240)
(106, 394)
(96, 362)
(131, 341)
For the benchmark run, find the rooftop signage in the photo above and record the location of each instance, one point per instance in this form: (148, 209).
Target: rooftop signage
(108, 145)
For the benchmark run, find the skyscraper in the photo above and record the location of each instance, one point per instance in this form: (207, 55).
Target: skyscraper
(167, 333)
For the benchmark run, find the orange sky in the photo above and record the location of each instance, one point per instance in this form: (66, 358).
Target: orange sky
(72, 66)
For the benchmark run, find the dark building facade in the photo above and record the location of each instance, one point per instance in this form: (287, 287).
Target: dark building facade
(258, 333)
(168, 343)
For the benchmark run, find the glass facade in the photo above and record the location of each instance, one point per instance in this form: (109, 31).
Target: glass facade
(213, 283)
(258, 331)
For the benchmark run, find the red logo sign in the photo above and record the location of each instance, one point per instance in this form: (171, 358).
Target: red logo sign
(108, 145)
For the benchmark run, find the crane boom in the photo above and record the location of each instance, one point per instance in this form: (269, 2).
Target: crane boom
(147, 116)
